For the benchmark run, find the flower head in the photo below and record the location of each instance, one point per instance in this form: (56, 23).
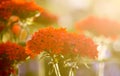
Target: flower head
(21, 8)
(80, 45)
(12, 51)
(59, 41)
(47, 39)
(16, 28)
(99, 26)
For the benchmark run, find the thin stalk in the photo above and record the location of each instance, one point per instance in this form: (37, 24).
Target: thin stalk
(55, 61)
(57, 71)
(101, 69)
(71, 72)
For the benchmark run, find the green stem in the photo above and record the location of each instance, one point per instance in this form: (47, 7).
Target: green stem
(57, 71)
(55, 64)
(72, 69)
(71, 72)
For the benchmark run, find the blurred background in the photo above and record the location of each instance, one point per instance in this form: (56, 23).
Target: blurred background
(71, 11)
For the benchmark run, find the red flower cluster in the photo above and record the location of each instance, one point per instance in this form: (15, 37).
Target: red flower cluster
(10, 53)
(16, 29)
(4, 12)
(48, 39)
(79, 44)
(58, 41)
(99, 26)
(21, 8)
(5, 66)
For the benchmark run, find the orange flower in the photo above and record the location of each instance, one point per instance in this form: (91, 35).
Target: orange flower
(16, 29)
(21, 8)
(56, 41)
(99, 26)
(24, 9)
(12, 51)
(48, 39)
(79, 44)
(4, 11)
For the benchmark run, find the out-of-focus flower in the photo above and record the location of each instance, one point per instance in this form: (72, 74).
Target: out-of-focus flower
(46, 18)
(10, 54)
(5, 67)
(21, 8)
(99, 26)
(26, 8)
(82, 45)
(12, 51)
(16, 28)
(5, 9)
(14, 18)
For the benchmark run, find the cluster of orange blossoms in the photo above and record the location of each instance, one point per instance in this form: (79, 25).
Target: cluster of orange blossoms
(10, 53)
(14, 10)
(101, 26)
(47, 39)
(16, 29)
(59, 41)
(21, 8)
(12, 26)
(80, 44)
